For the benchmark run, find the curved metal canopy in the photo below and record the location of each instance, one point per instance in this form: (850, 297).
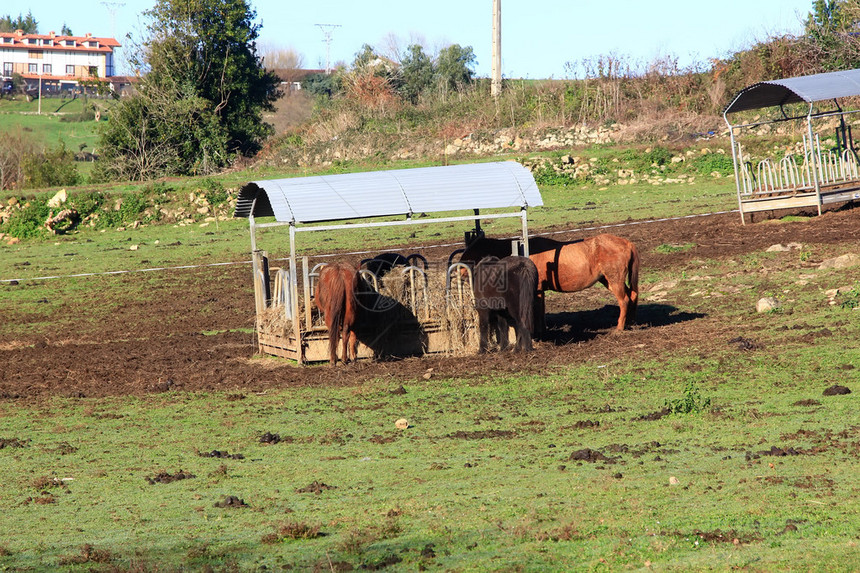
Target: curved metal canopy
(503, 184)
(809, 89)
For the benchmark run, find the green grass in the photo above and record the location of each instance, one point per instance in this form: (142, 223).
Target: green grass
(484, 476)
(48, 129)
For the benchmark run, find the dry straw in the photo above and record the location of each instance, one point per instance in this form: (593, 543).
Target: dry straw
(425, 298)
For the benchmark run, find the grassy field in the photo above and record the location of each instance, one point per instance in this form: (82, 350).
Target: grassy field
(752, 469)
(49, 129)
(558, 472)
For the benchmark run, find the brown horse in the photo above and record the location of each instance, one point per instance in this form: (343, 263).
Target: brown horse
(505, 292)
(335, 297)
(577, 265)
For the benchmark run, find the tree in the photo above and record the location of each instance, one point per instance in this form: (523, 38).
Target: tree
(454, 66)
(831, 27)
(202, 93)
(66, 31)
(27, 24)
(322, 84)
(285, 63)
(417, 73)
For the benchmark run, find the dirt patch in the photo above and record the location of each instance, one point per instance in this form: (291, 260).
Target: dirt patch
(719, 536)
(836, 390)
(164, 477)
(780, 452)
(482, 435)
(591, 456)
(653, 415)
(12, 443)
(742, 343)
(221, 455)
(63, 448)
(81, 358)
(807, 402)
(270, 438)
(316, 487)
(88, 554)
(231, 501)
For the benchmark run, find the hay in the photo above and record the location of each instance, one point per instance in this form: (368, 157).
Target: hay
(273, 321)
(455, 314)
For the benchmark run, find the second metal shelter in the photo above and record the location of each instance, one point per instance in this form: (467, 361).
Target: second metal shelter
(823, 176)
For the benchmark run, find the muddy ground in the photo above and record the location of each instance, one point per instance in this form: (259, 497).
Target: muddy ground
(158, 346)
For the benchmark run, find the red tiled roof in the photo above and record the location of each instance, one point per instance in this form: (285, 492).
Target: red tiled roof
(105, 44)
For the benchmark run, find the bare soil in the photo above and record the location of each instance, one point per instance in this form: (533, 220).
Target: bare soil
(147, 347)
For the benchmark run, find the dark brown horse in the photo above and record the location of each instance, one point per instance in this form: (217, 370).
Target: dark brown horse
(335, 297)
(505, 291)
(575, 266)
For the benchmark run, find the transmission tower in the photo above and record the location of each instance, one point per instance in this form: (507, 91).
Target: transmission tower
(112, 7)
(327, 30)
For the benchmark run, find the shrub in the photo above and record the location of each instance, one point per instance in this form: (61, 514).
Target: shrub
(719, 162)
(29, 221)
(214, 192)
(50, 169)
(691, 403)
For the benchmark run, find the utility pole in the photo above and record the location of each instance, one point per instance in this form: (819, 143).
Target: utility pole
(496, 85)
(327, 30)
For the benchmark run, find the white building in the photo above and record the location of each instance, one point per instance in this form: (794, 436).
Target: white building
(60, 62)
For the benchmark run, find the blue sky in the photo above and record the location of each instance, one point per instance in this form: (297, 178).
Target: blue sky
(538, 36)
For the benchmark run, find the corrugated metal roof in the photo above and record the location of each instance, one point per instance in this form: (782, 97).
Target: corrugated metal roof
(395, 192)
(809, 89)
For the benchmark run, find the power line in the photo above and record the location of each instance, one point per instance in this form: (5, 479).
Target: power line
(112, 7)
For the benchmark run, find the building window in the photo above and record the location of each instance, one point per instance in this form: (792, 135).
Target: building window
(34, 54)
(46, 68)
(70, 70)
(33, 68)
(7, 68)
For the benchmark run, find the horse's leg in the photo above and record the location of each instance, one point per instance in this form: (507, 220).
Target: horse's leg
(540, 313)
(619, 289)
(524, 339)
(483, 329)
(502, 326)
(353, 345)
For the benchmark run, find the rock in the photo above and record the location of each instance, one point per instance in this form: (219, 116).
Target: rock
(58, 199)
(841, 262)
(778, 248)
(673, 481)
(767, 304)
(663, 285)
(401, 424)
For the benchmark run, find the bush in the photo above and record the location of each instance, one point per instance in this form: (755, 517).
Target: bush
(719, 162)
(28, 222)
(50, 169)
(214, 192)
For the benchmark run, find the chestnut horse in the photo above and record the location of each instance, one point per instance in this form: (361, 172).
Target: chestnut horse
(335, 297)
(575, 266)
(505, 291)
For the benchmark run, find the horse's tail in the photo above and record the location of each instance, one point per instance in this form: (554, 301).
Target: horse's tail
(336, 308)
(350, 283)
(527, 278)
(633, 277)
